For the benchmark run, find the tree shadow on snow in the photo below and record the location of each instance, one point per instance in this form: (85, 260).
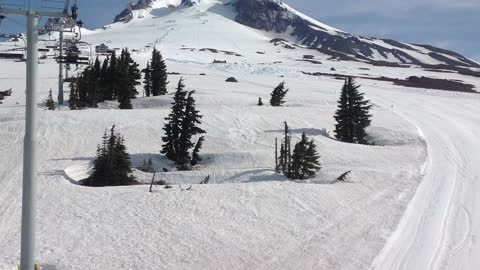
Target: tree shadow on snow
(159, 161)
(257, 175)
(62, 174)
(73, 159)
(308, 131)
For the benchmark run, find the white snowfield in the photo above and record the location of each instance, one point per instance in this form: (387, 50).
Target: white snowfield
(409, 204)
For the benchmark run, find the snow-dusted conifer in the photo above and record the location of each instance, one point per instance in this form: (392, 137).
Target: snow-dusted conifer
(278, 95)
(353, 115)
(112, 166)
(49, 103)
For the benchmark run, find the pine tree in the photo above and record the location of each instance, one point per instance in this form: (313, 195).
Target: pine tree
(150, 165)
(195, 155)
(189, 129)
(73, 100)
(174, 121)
(260, 102)
(124, 95)
(147, 82)
(284, 160)
(304, 159)
(281, 160)
(353, 115)
(182, 124)
(159, 75)
(128, 75)
(312, 163)
(49, 103)
(112, 166)
(111, 78)
(97, 91)
(278, 95)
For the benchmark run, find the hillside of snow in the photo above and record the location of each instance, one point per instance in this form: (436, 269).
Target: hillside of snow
(410, 202)
(278, 20)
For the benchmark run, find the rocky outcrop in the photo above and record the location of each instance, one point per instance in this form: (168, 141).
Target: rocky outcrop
(126, 15)
(274, 16)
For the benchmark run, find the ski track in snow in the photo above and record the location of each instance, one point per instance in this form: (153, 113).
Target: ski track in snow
(436, 232)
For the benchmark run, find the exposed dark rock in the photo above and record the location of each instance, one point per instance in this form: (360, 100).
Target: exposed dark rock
(431, 83)
(231, 79)
(273, 15)
(126, 14)
(413, 81)
(310, 61)
(188, 3)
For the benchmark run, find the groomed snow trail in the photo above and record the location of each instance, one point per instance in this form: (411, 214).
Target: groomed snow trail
(441, 226)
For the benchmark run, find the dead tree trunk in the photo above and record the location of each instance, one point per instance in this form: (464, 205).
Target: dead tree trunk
(151, 184)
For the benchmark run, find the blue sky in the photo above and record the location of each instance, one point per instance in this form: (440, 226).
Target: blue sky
(450, 24)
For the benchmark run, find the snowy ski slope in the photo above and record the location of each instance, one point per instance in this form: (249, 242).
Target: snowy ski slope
(410, 203)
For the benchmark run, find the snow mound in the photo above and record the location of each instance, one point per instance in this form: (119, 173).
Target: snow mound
(80, 170)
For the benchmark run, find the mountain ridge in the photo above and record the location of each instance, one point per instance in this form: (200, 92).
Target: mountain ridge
(297, 29)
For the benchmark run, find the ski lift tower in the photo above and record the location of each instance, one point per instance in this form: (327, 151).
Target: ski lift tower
(32, 9)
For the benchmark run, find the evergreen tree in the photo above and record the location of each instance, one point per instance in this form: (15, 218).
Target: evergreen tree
(128, 75)
(158, 74)
(189, 129)
(111, 78)
(182, 124)
(97, 91)
(278, 95)
(312, 163)
(73, 100)
(174, 121)
(353, 115)
(112, 166)
(150, 165)
(260, 102)
(123, 93)
(195, 155)
(281, 160)
(147, 82)
(304, 159)
(49, 103)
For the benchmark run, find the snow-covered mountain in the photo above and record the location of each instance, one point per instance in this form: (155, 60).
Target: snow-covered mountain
(410, 201)
(294, 29)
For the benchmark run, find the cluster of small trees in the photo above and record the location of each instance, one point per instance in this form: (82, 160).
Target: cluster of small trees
(116, 79)
(277, 97)
(303, 163)
(181, 126)
(155, 79)
(352, 116)
(112, 166)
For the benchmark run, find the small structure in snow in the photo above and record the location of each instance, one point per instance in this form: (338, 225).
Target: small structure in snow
(102, 48)
(231, 79)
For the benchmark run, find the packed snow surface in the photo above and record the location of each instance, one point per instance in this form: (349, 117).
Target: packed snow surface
(423, 167)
